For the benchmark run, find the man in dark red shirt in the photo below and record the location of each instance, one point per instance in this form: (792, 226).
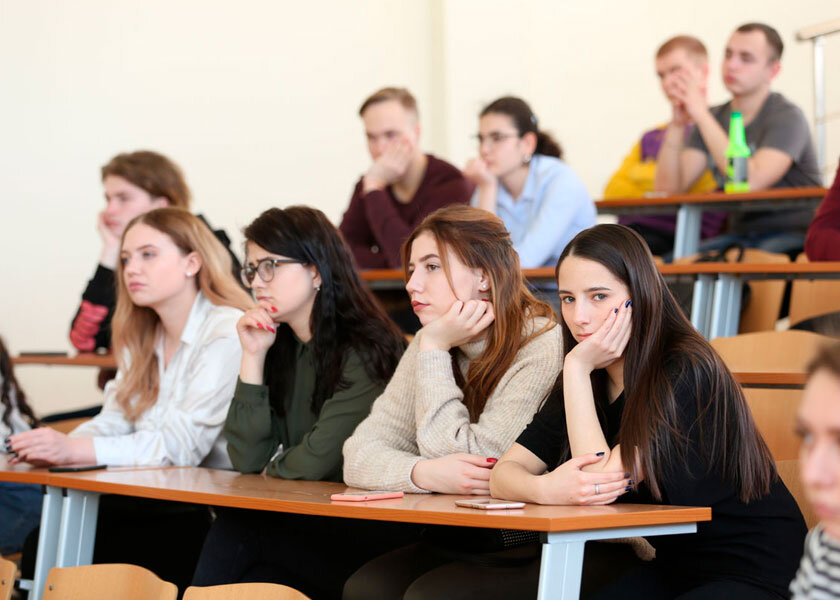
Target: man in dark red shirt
(823, 240)
(402, 185)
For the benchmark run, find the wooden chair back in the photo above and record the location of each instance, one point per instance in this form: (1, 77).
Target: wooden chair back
(789, 472)
(812, 298)
(762, 312)
(244, 591)
(774, 412)
(770, 351)
(105, 582)
(8, 570)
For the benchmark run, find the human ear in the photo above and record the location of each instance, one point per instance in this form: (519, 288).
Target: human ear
(193, 264)
(316, 277)
(528, 143)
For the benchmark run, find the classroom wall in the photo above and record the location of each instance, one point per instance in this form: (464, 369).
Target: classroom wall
(257, 101)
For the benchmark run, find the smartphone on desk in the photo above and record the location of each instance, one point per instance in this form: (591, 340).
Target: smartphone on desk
(76, 468)
(365, 496)
(489, 504)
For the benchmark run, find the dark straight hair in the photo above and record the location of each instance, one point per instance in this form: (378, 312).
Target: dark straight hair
(344, 314)
(525, 121)
(10, 392)
(650, 428)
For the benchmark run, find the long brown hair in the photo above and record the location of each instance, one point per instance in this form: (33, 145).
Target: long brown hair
(662, 335)
(480, 241)
(135, 327)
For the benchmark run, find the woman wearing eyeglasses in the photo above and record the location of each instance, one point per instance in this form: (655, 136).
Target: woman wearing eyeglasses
(520, 177)
(316, 352)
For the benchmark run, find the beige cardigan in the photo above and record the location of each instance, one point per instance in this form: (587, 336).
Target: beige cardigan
(421, 413)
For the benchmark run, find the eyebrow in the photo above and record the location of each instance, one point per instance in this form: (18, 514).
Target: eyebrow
(599, 288)
(143, 247)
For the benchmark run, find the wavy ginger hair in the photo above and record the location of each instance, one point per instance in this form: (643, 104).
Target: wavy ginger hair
(480, 241)
(135, 328)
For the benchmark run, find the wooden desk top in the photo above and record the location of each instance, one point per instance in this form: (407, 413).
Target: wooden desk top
(713, 198)
(80, 360)
(258, 492)
(727, 268)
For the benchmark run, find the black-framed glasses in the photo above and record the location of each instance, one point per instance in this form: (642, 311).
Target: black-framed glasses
(494, 137)
(265, 269)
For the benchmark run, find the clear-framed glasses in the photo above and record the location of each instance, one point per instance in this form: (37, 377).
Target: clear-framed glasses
(265, 269)
(494, 137)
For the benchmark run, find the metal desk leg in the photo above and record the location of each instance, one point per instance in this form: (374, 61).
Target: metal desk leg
(78, 528)
(726, 307)
(562, 556)
(47, 540)
(687, 234)
(701, 304)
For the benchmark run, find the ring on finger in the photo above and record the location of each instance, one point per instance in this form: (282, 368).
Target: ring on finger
(597, 489)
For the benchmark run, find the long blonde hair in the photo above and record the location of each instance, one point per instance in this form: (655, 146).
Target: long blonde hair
(135, 327)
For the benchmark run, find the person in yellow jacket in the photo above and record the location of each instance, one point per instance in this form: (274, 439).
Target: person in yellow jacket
(635, 177)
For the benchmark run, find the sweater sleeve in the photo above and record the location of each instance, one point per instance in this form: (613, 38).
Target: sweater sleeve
(382, 451)
(250, 428)
(443, 422)
(823, 239)
(91, 326)
(318, 455)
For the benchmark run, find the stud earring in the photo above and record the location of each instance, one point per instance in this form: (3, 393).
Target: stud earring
(526, 159)
(318, 288)
(189, 273)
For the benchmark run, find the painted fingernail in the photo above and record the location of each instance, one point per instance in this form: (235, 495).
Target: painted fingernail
(274, 308)
(7, 440)
(599, 454)
(627, 489)
(492, 460)
(628, 303)
(272, 330)
(616, 310)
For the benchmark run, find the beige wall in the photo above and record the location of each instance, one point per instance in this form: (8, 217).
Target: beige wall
(257, 101)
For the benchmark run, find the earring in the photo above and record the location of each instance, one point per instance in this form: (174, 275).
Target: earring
(526, 159)
(318, 288)
(483, 287)
(189, 273)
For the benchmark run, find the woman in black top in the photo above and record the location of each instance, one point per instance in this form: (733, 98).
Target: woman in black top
(645, 411)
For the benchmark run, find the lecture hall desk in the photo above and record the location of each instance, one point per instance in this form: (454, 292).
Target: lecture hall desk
(68, 523)
(689, 208)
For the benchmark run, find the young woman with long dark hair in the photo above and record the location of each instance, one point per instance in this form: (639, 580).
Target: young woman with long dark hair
(646, 411)
(316, 352)
(472, 378)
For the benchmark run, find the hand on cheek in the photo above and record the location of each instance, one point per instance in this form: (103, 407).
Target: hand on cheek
(606, 345)
(461, 323)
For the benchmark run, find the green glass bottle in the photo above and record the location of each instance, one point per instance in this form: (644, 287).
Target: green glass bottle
(737, 156)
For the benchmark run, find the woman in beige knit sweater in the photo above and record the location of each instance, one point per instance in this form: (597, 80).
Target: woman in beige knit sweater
(471, 380)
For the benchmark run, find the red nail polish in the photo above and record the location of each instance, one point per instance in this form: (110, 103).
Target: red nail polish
(492, 460)
(274, 308)
(272, 330)
(260, 325)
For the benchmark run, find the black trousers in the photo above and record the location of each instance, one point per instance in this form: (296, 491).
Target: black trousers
(312, 554)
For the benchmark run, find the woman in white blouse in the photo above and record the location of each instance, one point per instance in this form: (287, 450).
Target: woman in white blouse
(174, 333)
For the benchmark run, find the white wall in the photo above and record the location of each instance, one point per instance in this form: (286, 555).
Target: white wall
(257, 101)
